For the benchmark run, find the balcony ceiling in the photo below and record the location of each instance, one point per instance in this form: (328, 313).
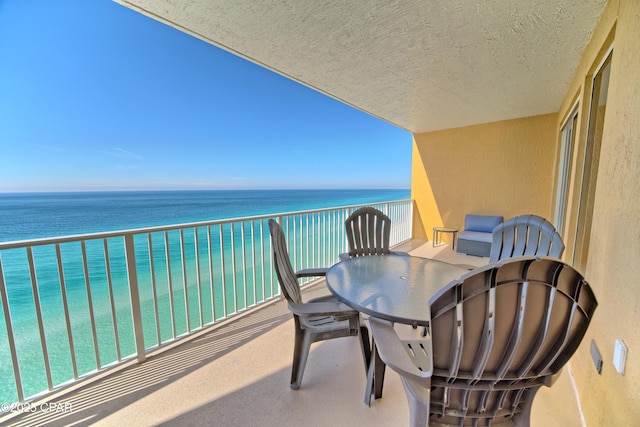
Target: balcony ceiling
(421, 65)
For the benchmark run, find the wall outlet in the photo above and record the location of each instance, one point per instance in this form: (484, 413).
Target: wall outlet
(620, 356)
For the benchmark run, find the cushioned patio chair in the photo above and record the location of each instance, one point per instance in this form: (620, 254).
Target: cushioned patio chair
(525, 235)
(496, 336)
(476, 237)
(368, 233)
(318, 319)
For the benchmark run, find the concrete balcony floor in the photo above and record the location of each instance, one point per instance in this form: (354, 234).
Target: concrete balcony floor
(237, 374)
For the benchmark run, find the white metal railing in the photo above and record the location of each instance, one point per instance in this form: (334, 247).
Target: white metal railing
(77, 305)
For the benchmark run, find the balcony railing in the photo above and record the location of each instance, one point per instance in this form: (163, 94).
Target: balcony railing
(74, 306)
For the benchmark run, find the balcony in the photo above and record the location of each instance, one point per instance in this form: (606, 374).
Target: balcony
(236, 370)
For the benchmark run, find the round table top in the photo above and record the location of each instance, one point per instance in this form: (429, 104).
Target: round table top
(445, 229)
(391, 287)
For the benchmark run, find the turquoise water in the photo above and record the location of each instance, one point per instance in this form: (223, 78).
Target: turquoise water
(29, 216)
(37, 215)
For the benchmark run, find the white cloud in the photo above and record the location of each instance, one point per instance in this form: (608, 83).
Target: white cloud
(122, 153)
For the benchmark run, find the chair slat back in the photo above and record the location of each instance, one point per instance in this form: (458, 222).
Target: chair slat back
(286, 275)
(499, 331)
(525, 235)
(368, 232)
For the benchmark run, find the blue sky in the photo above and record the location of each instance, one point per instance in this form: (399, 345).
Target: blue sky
(94, 96)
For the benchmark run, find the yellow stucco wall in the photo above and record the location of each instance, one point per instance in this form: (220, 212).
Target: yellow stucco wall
(510, 167)
(484, 169)
(503, 168)
(613, 263)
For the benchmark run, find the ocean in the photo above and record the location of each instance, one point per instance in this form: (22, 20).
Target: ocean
(26, 216)
(37, 215)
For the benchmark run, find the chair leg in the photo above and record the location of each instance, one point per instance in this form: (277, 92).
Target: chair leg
(375, 376)
(368, 390)
(300, 355)
(378, 375)
(296, 354)
(523, 419)
(418, 398)
(365, 345)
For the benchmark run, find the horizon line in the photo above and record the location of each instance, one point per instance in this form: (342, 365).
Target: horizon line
(132, 190)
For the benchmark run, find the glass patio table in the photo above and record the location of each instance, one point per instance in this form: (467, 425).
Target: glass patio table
(391, 287)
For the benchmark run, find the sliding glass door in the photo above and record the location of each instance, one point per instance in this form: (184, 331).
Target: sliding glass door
(597, 111)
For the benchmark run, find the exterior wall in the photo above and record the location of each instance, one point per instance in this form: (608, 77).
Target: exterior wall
(483, 169)
(503, 168)
(612, 267)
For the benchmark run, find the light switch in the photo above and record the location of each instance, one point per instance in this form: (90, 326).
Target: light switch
(620, 356)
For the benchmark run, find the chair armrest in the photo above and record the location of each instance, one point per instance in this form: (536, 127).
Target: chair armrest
(551, 379)
(312, 272)
(325, 298)
(392, 352)
(336, 309)
(334, 299)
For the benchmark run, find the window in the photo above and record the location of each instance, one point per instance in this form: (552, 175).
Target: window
(569, 130)
(591, 161)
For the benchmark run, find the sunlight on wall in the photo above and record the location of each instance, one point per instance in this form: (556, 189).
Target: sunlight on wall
(503, 168)
(427, 214)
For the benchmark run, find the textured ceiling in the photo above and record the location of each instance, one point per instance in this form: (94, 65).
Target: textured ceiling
(422, 65)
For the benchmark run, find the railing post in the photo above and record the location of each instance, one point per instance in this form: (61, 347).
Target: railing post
(135, 297)
(4, 304)
(275, 289)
